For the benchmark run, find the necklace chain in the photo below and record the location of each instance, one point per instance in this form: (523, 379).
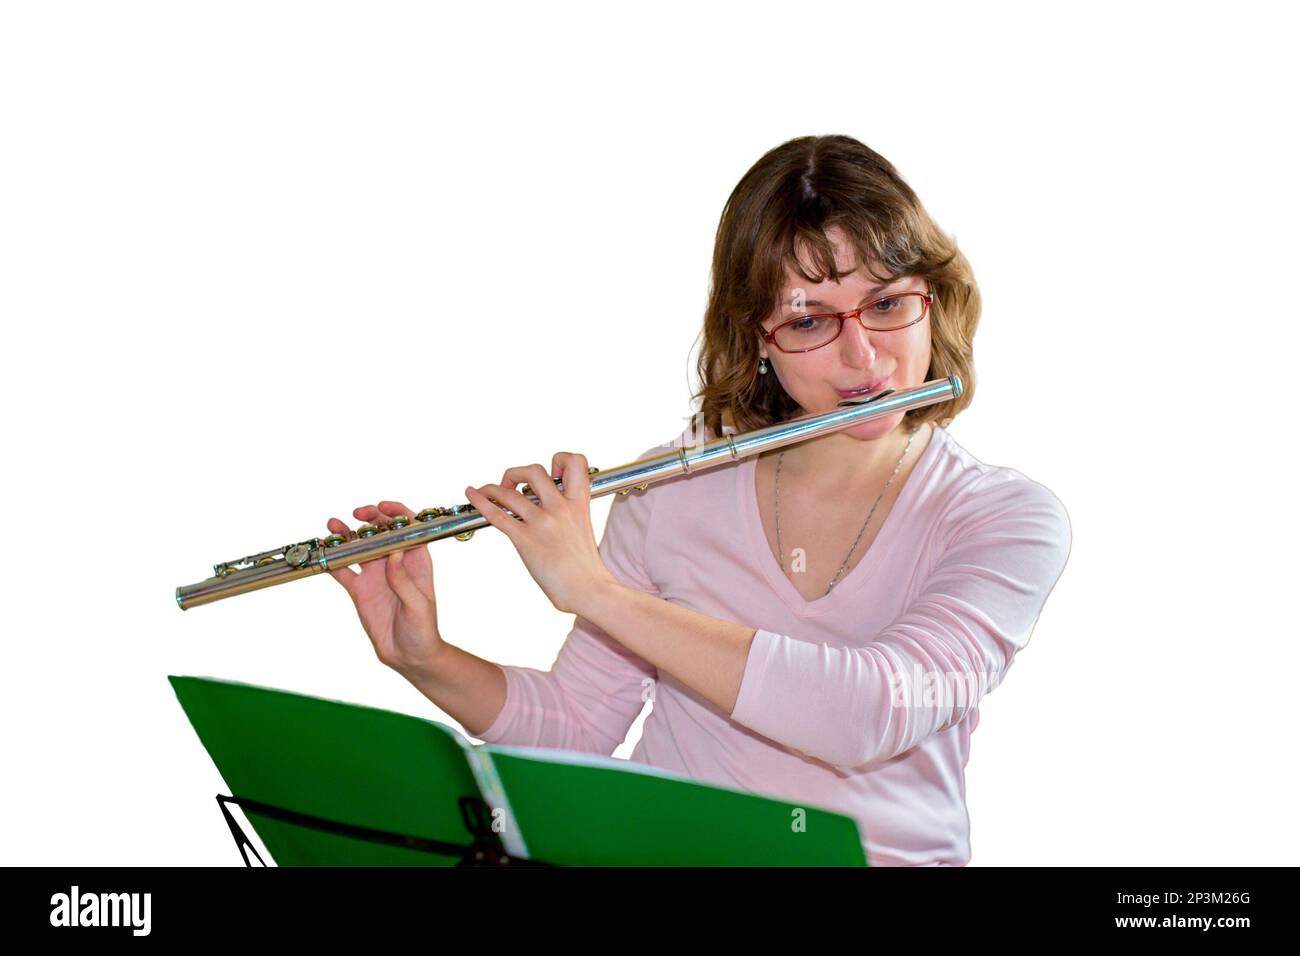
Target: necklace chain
(780, 553)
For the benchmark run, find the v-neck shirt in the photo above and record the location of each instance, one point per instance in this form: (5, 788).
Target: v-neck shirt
(862, 701)
(747, 495)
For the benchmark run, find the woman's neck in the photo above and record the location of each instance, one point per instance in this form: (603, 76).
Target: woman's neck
(836, 460)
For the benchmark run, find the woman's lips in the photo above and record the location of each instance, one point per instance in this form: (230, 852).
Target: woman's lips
(863, 391)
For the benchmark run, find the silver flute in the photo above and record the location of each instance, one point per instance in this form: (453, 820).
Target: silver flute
(370, 541)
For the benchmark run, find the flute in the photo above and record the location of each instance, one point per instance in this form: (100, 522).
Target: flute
(370, 541)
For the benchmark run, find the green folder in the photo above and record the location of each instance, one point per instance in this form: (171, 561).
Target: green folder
(327, 783)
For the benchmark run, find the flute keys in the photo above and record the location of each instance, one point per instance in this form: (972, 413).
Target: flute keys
(401, 521)
(298, 555)
(334, 540)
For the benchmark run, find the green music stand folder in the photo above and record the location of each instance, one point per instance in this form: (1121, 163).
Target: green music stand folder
(327, 783)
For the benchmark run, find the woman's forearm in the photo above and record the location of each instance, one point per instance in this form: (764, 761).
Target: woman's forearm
(705, 653)
(468, 689)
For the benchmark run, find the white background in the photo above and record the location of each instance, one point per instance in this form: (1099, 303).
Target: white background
(264, 262)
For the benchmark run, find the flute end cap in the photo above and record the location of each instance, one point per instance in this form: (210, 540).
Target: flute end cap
(957, 387)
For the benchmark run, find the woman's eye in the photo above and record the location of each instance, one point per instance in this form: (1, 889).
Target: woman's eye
(803, 324)
(888, 304)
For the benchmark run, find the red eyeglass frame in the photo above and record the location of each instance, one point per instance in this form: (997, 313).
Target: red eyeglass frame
(770, 337)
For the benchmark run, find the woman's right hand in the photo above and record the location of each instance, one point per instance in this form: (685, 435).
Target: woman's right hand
(394, 596)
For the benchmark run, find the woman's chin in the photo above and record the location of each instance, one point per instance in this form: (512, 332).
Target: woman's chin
(876, 428)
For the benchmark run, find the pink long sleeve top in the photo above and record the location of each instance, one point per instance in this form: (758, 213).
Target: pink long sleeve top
(862, 701)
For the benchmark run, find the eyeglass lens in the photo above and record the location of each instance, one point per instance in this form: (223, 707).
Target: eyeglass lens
(812, 331)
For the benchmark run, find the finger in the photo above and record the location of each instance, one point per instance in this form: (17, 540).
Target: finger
(380, 516)
(493, 515)
(346, 577)
(367, 513)
(419, 565)
(339, 528)
(343, 576)
(381, 513)
(539, 483)
(577, 483)
(523, 507)
(401, 582)
(394, 508)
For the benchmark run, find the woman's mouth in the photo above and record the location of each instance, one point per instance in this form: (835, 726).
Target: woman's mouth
(864, 390)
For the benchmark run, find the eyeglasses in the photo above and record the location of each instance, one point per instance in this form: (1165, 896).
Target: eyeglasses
(804, 333)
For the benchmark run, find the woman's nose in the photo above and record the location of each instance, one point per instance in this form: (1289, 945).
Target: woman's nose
(855, 344)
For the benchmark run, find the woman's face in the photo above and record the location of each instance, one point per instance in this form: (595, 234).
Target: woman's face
(819, 380)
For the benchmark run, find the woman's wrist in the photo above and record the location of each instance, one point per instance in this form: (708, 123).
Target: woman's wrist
(430, 668)
(601, 602)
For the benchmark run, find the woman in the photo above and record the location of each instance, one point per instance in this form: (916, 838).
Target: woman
(819, 622)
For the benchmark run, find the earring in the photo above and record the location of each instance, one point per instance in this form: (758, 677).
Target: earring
(762, 366)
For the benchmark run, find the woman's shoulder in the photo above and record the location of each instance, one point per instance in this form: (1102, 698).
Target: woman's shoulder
(977, 490)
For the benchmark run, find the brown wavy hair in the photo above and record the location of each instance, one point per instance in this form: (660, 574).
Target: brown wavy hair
(788, 200)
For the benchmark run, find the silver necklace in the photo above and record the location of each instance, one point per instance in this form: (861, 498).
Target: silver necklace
(780, 553)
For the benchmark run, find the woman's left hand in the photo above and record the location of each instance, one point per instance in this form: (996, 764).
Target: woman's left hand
(554, 536)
